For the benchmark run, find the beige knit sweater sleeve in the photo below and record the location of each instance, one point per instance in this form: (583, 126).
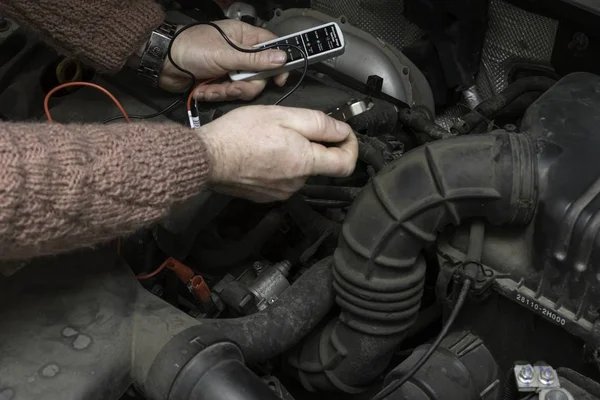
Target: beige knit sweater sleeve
(68, 186)
(102, 33)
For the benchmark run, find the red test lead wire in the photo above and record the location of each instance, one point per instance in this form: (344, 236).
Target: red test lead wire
(88, 84)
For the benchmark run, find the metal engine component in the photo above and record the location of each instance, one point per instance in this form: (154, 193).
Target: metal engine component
(350, 110)
(239, 10)
(365, 56)
(246, 295)
(542, 379)
(531, 378)
(270, 283)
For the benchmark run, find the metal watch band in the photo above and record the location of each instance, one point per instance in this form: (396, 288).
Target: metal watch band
(153, 57)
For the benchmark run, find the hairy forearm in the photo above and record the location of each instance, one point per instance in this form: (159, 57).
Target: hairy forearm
(69, 186)
(102, 33)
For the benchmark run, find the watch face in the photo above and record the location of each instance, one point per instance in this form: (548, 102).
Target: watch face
(152, 59)
(154, 51)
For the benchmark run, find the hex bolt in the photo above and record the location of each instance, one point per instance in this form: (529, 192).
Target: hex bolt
(258, 267)
(526, 374)
(547, 376)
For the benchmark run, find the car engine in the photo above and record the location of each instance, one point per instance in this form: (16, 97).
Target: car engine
(457, 262)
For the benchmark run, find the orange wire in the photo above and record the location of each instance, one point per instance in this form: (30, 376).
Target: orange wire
(89, 84)
(126, 116)
(92, 85)
(189, 107)
(152, 274)
(191, 96)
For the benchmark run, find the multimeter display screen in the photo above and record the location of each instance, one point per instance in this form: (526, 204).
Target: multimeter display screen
(314, 42)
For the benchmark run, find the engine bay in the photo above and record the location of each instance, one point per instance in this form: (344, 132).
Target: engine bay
(457, 262)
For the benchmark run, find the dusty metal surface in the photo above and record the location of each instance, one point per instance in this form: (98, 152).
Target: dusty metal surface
(513, 36)
(381, 18)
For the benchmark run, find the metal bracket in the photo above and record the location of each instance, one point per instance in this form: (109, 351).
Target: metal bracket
(350, 110)
(536, 378)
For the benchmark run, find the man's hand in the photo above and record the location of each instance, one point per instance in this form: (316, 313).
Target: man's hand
(266, 153)
(203, 51)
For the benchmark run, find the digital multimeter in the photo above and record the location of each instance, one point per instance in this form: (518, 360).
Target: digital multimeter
(319, 43)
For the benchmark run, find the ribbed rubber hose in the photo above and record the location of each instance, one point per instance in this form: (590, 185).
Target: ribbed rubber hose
(277, 328)
(378, 268)
(174, 338)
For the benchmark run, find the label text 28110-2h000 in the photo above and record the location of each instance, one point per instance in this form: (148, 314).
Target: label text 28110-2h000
(535, 306)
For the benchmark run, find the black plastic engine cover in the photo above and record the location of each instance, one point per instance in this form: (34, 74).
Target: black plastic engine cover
(566, 244)
(551, 268)
(567, 123)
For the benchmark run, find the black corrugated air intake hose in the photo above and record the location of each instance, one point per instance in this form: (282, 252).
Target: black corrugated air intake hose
(378, 268)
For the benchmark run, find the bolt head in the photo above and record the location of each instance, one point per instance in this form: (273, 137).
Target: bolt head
(258, 267)
(547, 376)
(526, 374)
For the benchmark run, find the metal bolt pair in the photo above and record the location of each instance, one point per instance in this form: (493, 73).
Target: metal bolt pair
(527, 374)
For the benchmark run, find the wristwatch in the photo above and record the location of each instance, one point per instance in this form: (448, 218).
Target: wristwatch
(155, 52)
